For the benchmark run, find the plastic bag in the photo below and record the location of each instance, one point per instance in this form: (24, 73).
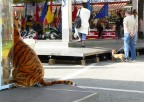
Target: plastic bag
(76, 35)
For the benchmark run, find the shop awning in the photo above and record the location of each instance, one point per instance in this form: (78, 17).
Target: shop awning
(27, 1)
(24, 1)
(110, 5)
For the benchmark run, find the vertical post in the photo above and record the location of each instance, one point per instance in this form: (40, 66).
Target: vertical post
(66, 21)
(0, 45)
(26, 16)
(135, 4)
(140, 17)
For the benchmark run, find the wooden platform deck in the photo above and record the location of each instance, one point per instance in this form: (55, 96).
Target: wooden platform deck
(93, 48)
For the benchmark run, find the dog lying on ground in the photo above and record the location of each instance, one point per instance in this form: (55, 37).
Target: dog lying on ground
(116, 56)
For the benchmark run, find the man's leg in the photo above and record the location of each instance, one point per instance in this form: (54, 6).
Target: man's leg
(132, 49)
(83, 40)
(136, 38)
(126, 45)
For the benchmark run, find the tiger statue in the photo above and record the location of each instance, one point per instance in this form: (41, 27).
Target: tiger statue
(27, 67)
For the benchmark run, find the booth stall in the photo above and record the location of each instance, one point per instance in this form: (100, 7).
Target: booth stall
(51, 27)
(108, 32)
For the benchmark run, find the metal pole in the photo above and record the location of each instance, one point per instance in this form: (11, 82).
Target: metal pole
(0, 47)
(67, 21)
(26, 16)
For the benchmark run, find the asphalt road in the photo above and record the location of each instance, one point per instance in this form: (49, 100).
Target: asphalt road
(115, 81)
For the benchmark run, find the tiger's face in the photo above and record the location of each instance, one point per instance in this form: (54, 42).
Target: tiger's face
(17, 23)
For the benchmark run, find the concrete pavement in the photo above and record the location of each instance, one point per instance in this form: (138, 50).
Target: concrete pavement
(131, 71)
(115, 81)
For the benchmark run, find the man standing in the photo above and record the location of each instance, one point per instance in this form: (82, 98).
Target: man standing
(129, 33)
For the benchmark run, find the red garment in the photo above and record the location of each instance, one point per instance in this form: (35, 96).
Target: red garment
(58, 20)
(55, 17)
(37, 18)
(74, 13)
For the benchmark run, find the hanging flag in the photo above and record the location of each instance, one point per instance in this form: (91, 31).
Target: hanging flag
(89, 6)
(45, 22)
(74, 13)
(103, 12)
(49, 16)
(37, 18)
(44, 11)
(58, 18)
(55, 17)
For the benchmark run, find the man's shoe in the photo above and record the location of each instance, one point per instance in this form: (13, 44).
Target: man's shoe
(79, 40)
(126, 60)
(133, 60)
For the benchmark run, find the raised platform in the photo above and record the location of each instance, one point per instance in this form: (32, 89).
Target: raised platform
(93, 48)
(56, 93)
(71, 51)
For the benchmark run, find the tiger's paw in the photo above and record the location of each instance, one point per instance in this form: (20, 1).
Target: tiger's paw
(38, 84)
(74, 84)
(18, 85)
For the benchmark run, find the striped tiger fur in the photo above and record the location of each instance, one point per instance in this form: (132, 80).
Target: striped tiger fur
(28, 69)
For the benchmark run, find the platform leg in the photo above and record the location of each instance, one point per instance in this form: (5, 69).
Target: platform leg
(97, 59)
(83, 62)
(138, 54)
(51, 61)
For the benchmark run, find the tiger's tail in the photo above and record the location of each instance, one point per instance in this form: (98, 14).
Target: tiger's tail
(67, 82)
